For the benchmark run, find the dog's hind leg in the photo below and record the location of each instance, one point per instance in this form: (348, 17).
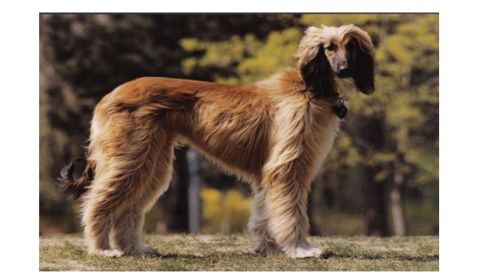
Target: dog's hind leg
(97, 224)
(97, 221)
(126, 232)
(128, 224)
(258, 226)
(124, 168)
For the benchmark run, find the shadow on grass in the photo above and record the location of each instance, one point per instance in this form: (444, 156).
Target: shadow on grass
(326, 255)
(430, 258)
(200, 257)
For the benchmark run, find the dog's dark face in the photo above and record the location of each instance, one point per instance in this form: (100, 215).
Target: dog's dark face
(341, 52)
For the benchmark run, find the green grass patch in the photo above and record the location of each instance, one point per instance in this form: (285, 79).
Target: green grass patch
(233, 253)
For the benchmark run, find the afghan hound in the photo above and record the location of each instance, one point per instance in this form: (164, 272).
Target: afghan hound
(273, 134)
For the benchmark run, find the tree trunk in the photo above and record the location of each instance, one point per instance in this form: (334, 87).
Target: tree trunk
(376, 209)
(194, 206)
(177, 220)
(372, 132)
(396, 203)
(396, 207)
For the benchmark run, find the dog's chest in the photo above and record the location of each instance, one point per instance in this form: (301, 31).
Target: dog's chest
(320, 138)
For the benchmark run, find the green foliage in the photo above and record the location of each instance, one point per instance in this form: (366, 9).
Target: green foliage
(219, 55)
(251, 59)
(273, 56)
(234, 253)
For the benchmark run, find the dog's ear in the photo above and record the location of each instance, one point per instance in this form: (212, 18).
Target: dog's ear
(363, 72)
(314, 66)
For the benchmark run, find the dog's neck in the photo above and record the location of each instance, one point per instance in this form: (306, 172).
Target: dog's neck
(343, 87)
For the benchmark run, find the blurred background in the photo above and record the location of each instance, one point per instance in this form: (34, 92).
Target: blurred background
(381, 178)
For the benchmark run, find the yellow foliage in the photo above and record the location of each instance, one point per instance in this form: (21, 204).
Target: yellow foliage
(406, 97)
(224, 212)
(211, 207)
(274, 56)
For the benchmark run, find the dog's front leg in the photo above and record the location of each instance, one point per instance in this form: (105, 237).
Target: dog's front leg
(258, 226)
(286, 204)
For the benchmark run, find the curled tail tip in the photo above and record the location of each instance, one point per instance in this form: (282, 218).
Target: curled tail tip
(74, 187)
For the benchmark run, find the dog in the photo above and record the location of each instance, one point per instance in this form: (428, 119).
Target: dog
(274, 134)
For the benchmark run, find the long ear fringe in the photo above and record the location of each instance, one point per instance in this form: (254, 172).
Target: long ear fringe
(313, 65)
(364, 68)
(308, 47)
(364, 73)
(365, 42)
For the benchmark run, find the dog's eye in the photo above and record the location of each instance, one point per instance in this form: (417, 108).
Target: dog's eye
(331, 47)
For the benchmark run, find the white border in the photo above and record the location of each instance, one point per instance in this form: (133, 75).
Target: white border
(459, 188)
(255, 6)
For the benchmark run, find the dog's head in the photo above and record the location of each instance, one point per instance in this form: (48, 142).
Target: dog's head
(341, 52)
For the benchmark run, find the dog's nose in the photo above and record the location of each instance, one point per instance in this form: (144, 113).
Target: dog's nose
(343, 71)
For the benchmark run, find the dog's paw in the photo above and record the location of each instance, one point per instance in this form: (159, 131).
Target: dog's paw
(143, 250)
(111, 253)
(304, 252)
(267, 248)
(149, 251)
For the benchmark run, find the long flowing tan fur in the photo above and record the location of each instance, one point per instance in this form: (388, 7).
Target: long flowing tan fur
(274, 134)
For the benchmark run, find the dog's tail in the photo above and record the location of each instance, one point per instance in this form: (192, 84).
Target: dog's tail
(76, 187)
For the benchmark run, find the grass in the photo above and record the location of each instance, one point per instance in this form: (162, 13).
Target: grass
(232, 253)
